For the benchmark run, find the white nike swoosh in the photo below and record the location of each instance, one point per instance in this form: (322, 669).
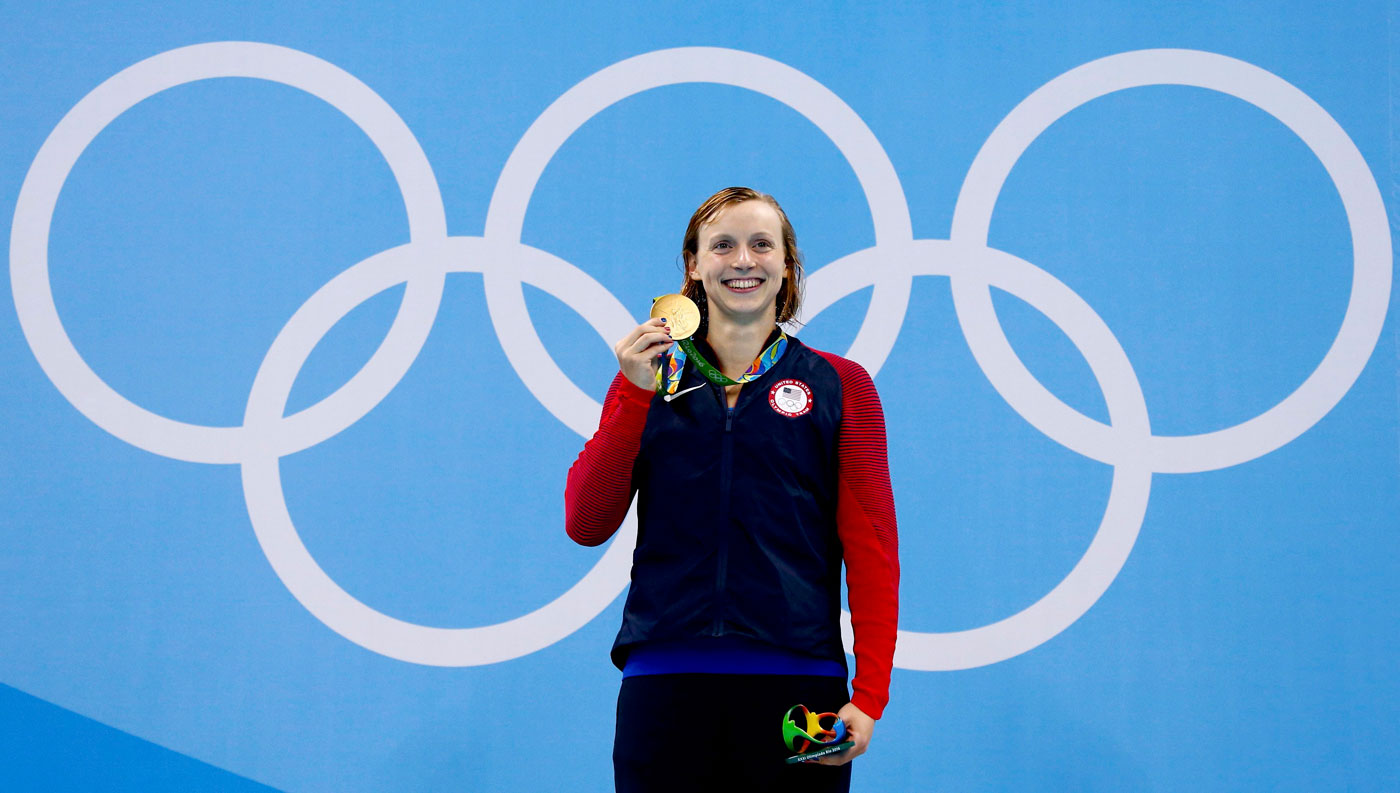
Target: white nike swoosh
(679, 394)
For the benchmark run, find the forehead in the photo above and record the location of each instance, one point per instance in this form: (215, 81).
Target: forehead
(744, 220)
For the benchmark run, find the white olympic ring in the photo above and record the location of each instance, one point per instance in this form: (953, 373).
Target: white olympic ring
(1361, 198)
(29, 239)
(266, 435)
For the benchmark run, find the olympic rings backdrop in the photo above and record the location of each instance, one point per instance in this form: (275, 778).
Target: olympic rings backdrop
(312, 310)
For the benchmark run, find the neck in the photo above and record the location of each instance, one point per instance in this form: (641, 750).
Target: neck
(736, 344)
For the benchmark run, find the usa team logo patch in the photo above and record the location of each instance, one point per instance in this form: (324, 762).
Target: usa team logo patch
(791, 398)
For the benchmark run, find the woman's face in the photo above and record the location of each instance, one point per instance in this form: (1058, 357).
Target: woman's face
(739, 260)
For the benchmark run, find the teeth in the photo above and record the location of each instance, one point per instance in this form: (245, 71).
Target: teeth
(743, 283)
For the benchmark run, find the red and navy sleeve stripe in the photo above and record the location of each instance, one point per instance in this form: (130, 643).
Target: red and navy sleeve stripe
(865, 522)
(599, 488)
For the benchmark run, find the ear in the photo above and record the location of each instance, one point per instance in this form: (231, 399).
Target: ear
(690, 267)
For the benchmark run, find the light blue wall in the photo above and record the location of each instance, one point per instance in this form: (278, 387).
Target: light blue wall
(1248, 642)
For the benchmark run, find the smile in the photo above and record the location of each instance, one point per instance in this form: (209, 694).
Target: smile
(743, 284)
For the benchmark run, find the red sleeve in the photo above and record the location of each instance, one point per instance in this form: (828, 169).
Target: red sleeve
(599, 488)
(869, 539)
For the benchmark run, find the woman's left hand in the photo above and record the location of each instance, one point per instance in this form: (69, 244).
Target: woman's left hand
(858, 730)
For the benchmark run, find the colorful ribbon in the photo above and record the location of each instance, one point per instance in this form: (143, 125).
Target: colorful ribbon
(668, 376)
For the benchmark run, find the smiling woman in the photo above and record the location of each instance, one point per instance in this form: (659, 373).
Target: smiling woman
(750, 500)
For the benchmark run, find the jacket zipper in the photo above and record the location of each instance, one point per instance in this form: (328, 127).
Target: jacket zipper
(726, 459)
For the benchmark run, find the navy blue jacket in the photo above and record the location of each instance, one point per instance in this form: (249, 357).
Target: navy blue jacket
(737, 513)
(745, 515)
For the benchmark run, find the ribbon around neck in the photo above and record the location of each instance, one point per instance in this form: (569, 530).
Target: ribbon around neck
(668, 377)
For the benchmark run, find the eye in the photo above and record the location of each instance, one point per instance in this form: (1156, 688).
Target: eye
(721, 245)
(764, 244)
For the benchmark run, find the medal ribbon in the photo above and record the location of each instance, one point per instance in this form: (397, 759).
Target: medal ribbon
(669, 375)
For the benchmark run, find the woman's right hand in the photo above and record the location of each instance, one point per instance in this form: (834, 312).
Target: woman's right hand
(639, 352)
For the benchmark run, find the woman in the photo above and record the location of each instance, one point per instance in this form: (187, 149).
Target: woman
(750, 498)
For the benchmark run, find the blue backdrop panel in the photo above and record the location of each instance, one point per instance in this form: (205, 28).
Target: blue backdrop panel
(311, 309)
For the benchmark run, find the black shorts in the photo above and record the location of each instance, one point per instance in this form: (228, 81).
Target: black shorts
(700, 732)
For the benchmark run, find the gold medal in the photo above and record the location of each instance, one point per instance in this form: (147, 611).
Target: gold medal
(680, 312)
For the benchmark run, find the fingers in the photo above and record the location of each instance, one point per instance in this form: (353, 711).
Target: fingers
(859, 730)
(648, 340)
(645, 335)
(841, 758)
(638, 352)
(652, 325)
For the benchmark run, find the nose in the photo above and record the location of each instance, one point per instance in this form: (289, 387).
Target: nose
(745, 258)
